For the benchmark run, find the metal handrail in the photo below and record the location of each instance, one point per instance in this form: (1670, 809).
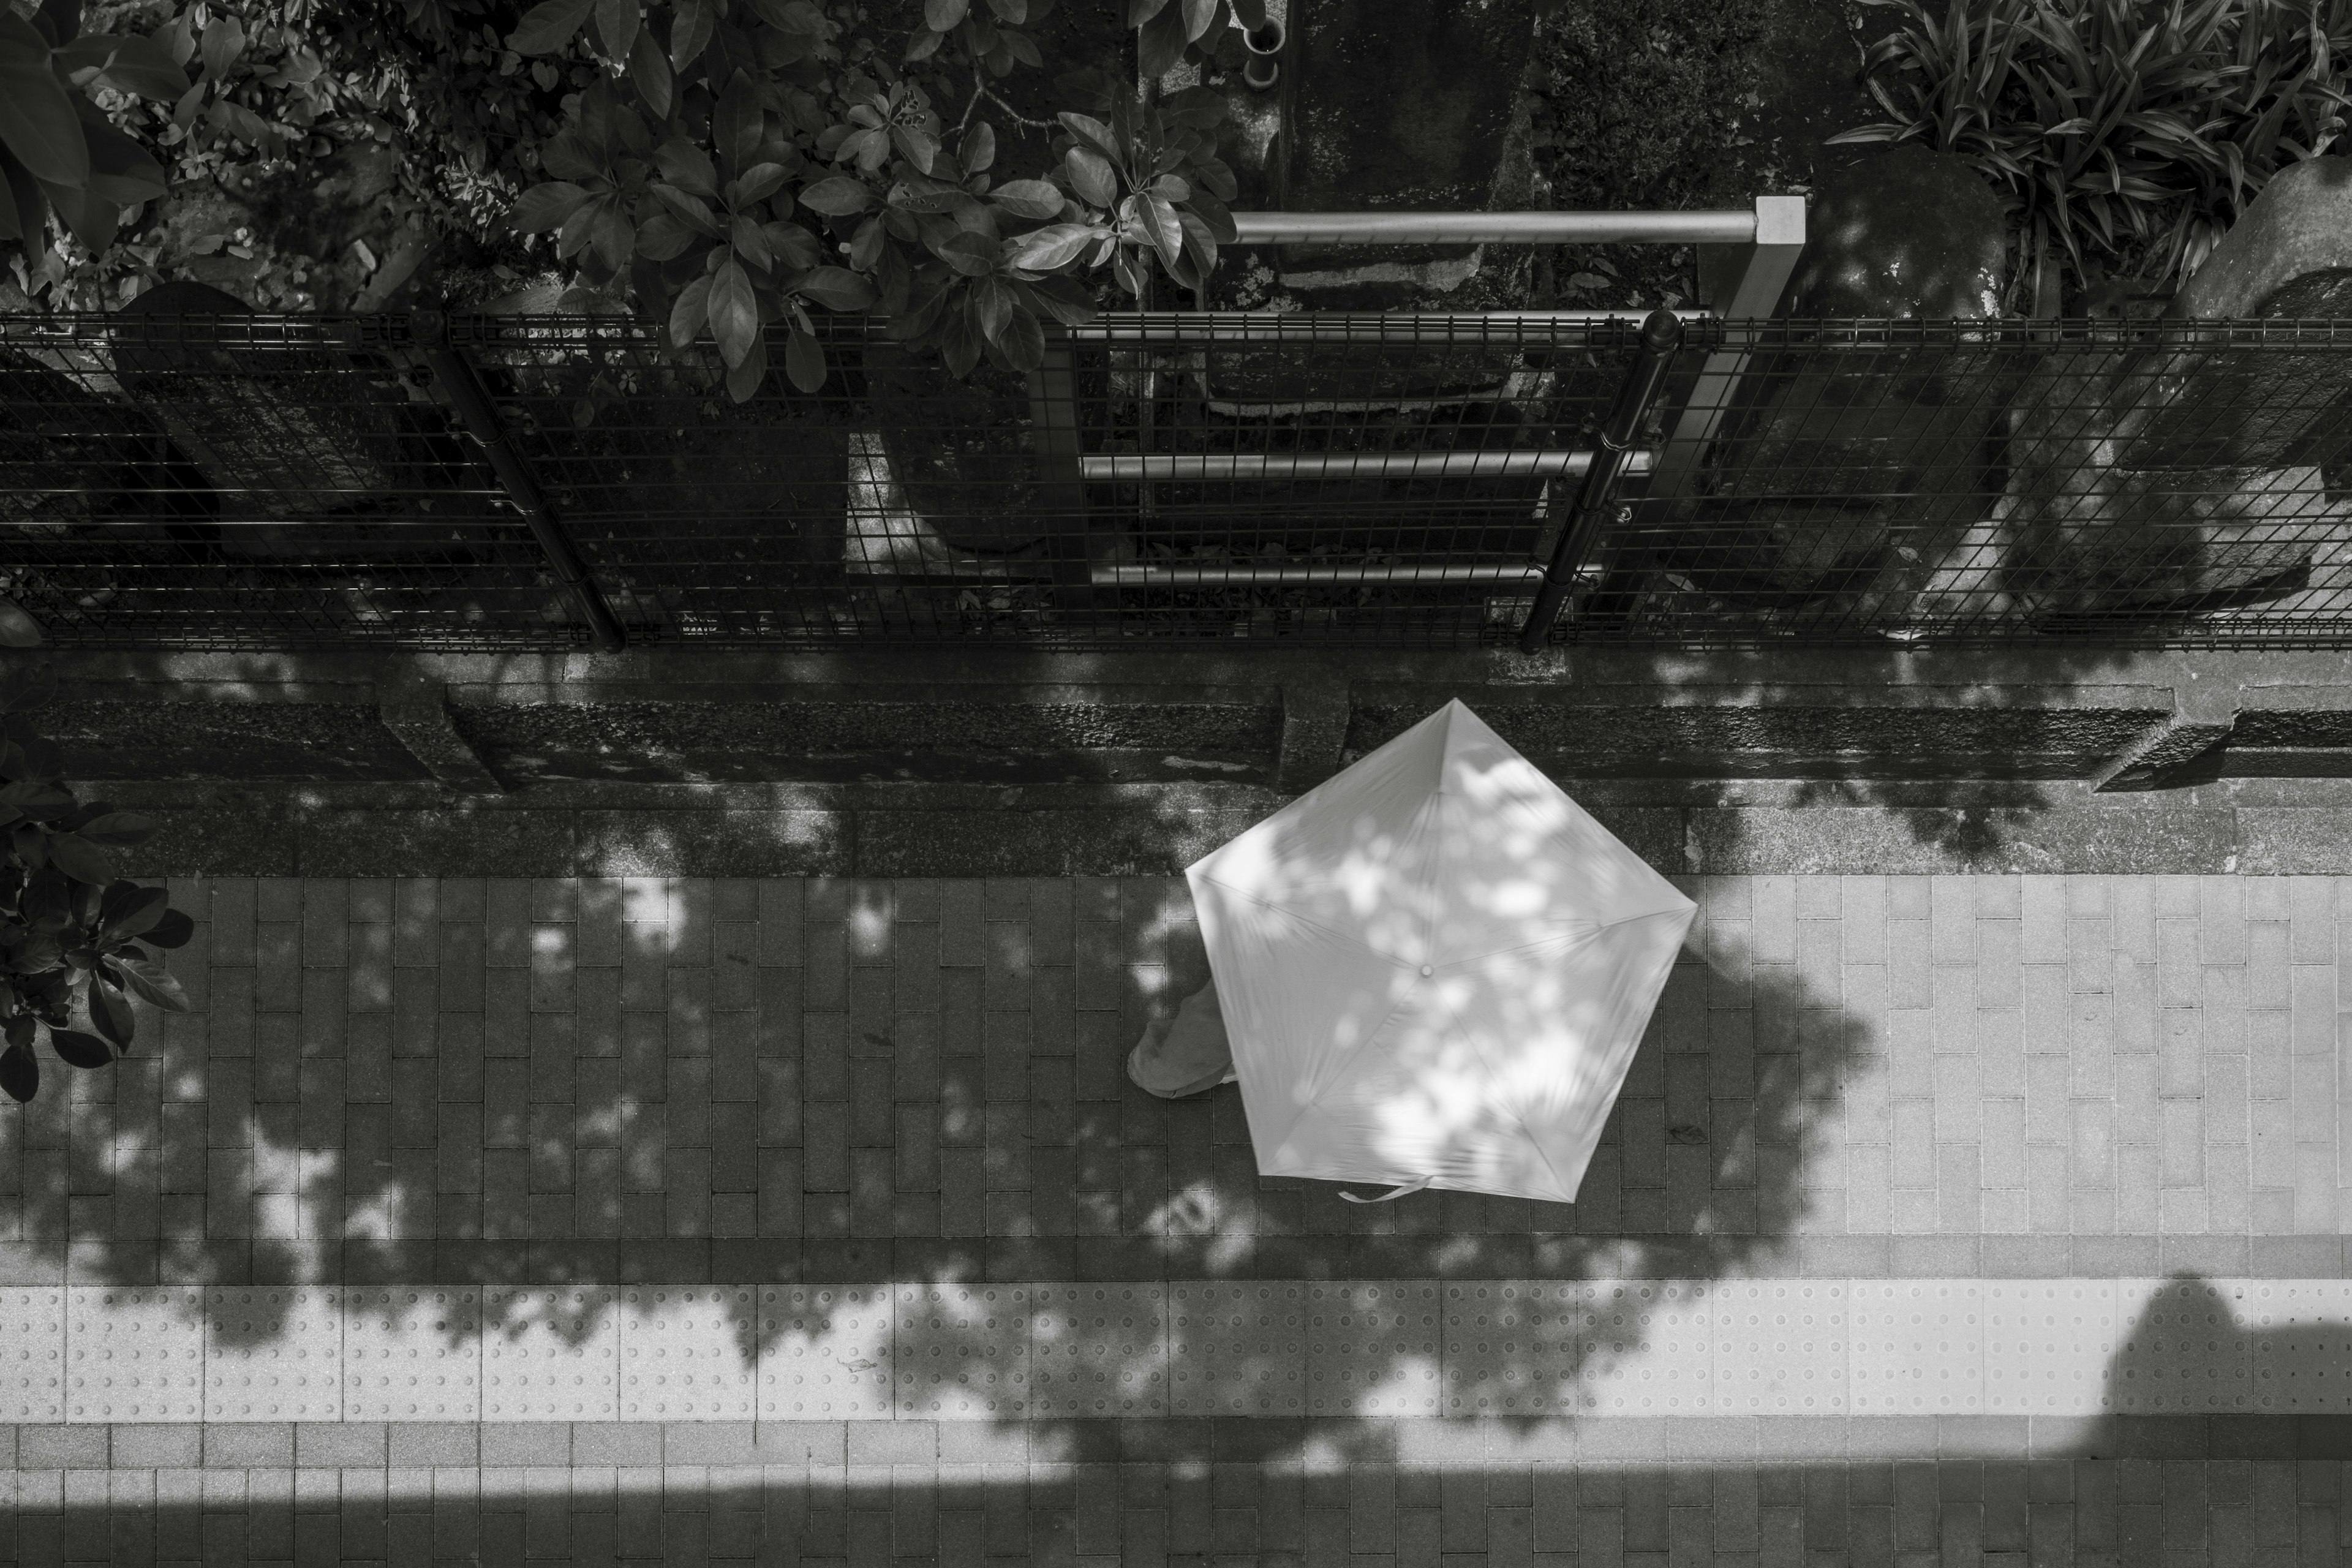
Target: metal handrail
(1725, 227)
(1180, 466)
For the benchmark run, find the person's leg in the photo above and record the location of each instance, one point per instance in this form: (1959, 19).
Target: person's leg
(1191, 1056)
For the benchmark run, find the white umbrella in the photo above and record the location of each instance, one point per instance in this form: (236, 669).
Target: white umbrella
(1434, 969)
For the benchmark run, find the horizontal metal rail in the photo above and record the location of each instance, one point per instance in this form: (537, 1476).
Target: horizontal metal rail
(1282, 327)
(1270, 574)
(1725, 227)
(1133, 466)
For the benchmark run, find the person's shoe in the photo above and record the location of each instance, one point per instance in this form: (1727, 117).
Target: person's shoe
(1189, 1055)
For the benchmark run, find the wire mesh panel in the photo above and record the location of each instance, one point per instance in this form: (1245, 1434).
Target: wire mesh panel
(246, 481)
(2156, 483)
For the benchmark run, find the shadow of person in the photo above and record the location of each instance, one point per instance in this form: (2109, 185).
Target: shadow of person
(2255, 1369)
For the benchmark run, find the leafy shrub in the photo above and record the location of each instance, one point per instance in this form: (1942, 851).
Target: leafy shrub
(739, 153)
(70, 931)
(2117, 128)
(59, 156)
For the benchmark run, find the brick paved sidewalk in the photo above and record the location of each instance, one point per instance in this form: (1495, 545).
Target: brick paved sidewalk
(489, 1086)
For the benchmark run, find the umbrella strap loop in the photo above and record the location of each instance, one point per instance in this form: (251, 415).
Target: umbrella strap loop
(1397, 1192)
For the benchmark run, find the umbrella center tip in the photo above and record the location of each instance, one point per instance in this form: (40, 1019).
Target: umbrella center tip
(1427, 969)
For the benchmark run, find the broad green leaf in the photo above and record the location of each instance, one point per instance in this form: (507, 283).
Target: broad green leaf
(617, 27)
(1139, 12)
(173, 930)
(691, 210)
(738, 124)
(549, 25)
(651, 74)
(1198, 15)
(1093, 133)
(154, 985)
(20, 1074)
(917, 146)
(756, 183)
(545, 207)
(79, 1050)
(743, 381)
(837, 289)
(804, 362)
(108, 1011)
(141, 67)
(1055, 246)
(688, 167)
(80, 859)
(978, 150)
(1091, 176)
(734, 312)
(688, 316)
(37, 122)
(690, 33)
(836, 196)
(222, 46)
(135, 915)
(1028, 198)
(941, 15)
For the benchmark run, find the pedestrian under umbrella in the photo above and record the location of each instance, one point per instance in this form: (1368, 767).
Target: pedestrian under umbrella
(1432, 970)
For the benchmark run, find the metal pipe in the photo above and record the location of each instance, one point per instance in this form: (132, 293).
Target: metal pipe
(1661, 334)
(1218, 576)
(1278, 327)
(463, 387)
(1730, 227)
(1140, 467)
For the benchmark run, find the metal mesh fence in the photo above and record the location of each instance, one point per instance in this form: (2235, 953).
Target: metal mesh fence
(1378, 480)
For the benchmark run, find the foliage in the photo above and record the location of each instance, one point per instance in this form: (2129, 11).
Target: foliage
(744, 160)
(59, 156)
(70, 931)
(331, 150)
(2133, 133)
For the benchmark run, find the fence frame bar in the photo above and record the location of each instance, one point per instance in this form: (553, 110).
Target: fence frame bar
(459, 382)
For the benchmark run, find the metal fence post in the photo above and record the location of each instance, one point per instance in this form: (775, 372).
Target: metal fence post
(1053, 425)
(462, 385)
(1661, 334)
(1764, 270)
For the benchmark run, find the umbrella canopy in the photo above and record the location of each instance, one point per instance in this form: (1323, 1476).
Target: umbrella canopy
(1434, 969)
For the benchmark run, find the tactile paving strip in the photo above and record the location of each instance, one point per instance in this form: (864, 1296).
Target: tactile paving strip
(274, 1353)
(1779, 1348)
(1513, 1347)
(961, 1352)
(2182, 1354)
(2299, 1335)
(825, 1353)
(32, 1353)
(2047, 1343)
(134, 1355)
(550, 1354)
(1201, 1315)
(1660, 1354)
(689, 1353)
(1373, 1349)
(1916, 1347)
(1099, 1350)
(412, 1352)
(1258, 1361)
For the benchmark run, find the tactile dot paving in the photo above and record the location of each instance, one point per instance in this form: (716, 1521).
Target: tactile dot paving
(1374, 1349)
(1513, 1347)
(688, 1353)
(134, 1355)
(2046, 1346)
(274, 1352)
(2181, 1353)
(1099, 1350)
(2300, 1345)
(961, 1352)
(1257, 1365)
(1659, 1355)
(825, 1352)
(1780, 1348)
(1200, 1314)
(32, 1353)
(1916, 1347)
(550, 1354)
(412, 1352)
